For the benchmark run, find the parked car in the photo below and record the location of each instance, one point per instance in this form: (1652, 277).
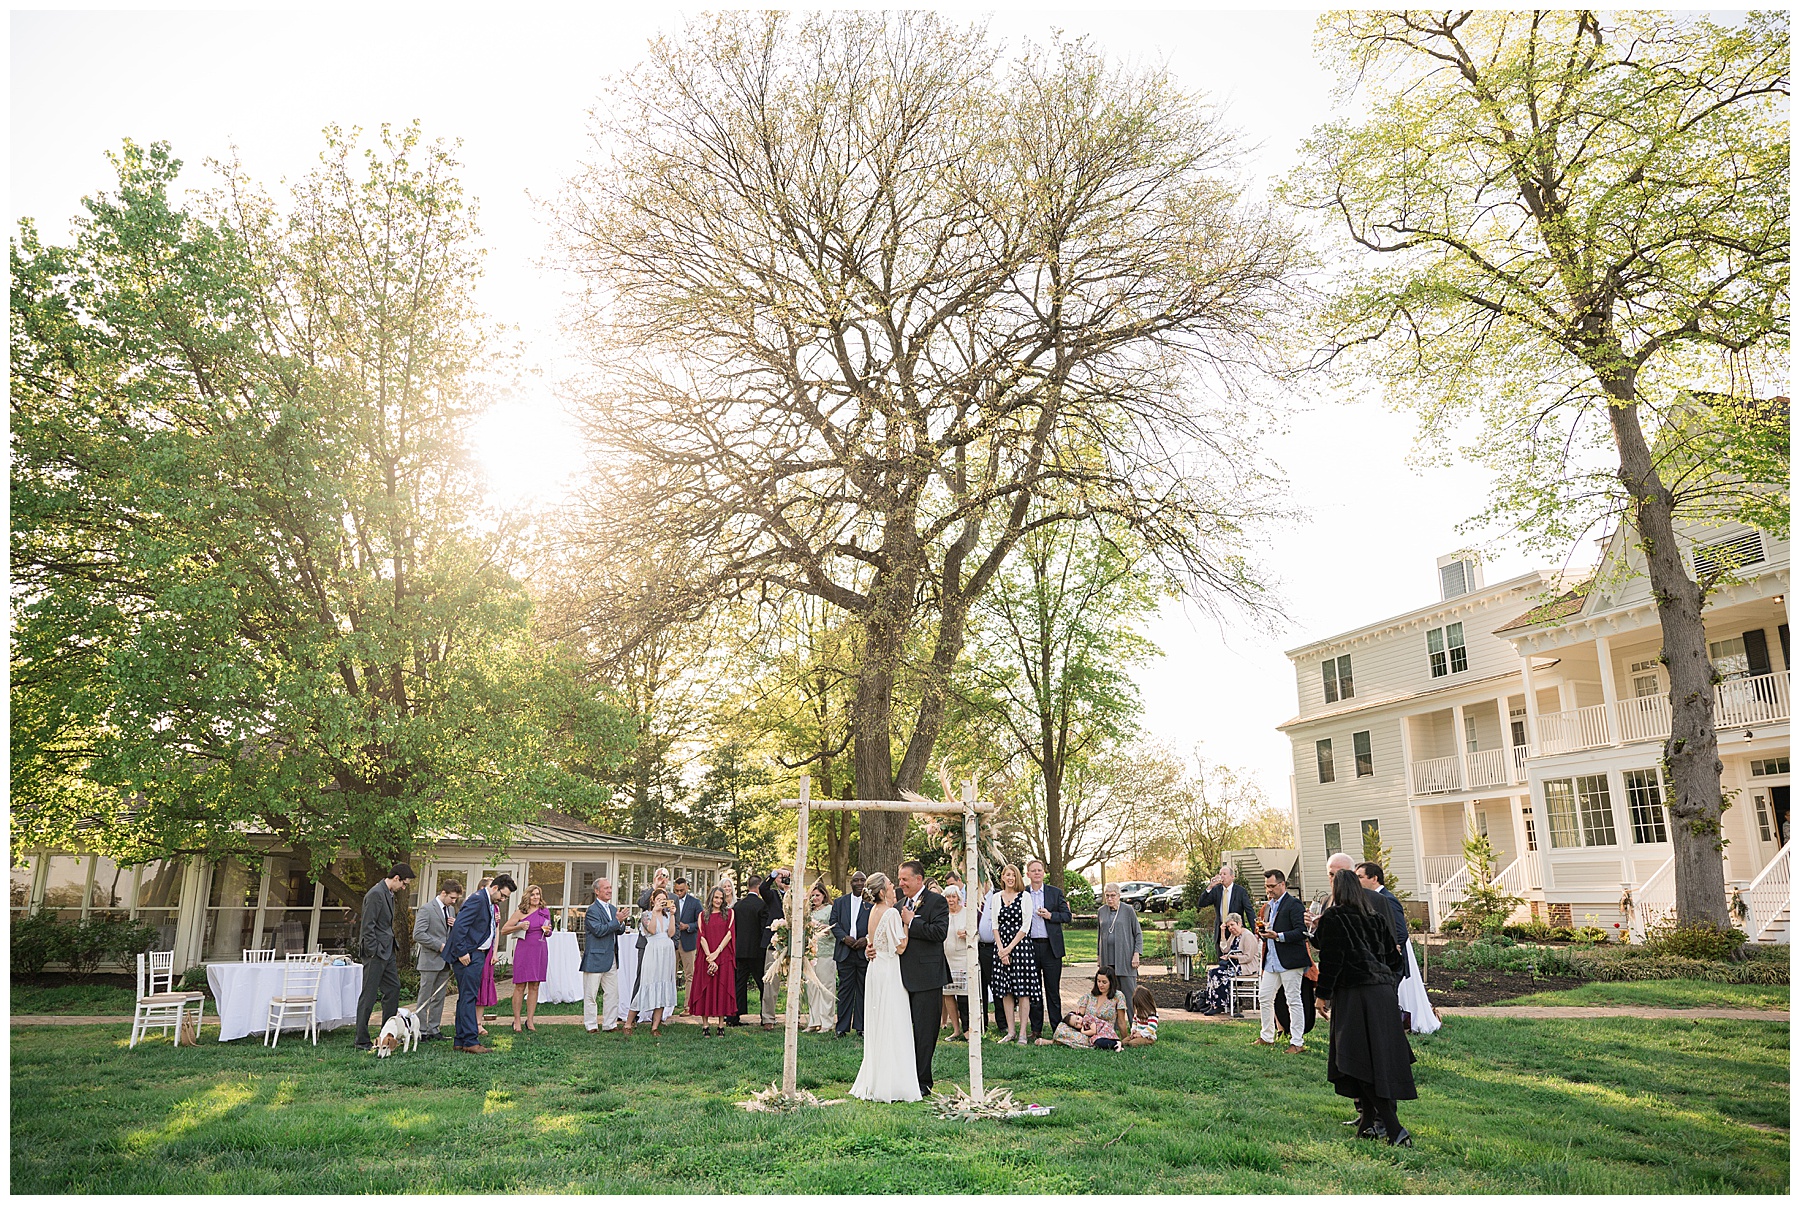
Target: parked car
(1167, 899)
(1136, 894)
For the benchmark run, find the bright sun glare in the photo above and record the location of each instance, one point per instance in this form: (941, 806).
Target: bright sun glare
(529, 450)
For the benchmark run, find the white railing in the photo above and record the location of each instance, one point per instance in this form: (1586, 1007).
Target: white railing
(1519, 754)
(1759, 700)
(1446, 896)
(1653, 902)
(1439, 867)
(1437, 775)
(1568, 731)
(1767, 896)
(1645, 719)
(1516, 878)
(1487, 768)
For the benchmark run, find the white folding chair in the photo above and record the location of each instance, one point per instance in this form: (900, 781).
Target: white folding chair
(259, 955)
(159, 1006)
(306, 956)
(1246, 989)
(299, 1000)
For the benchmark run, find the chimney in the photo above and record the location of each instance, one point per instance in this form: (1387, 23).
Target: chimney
(1458, 573)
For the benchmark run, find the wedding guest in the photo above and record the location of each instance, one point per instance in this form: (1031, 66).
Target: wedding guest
(1285, 960)
(489, 994)
(1224, 895)
(1101, 1018)
(600, 929)
(431, 929)
(819, 1005)
(1120, 939)
(685, 907)
(774, 897)
(748, 912)
(1240, 954)
(656, 992)
(375, 945)
(1370, 1060)
(984, 952)
(476, 927)
(714, 992)
(850, 931)
(957, 951)
(659, 883)
(1143, 1019)
(531, 954)
(1016, 977)
(1048, 913)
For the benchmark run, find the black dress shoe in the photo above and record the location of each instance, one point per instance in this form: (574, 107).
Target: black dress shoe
(1403, 1138)
(1375, 1130)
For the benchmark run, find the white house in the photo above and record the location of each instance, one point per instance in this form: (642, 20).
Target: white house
(1533, 711)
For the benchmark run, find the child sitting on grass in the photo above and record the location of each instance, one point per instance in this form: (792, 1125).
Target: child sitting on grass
(1143, 1019)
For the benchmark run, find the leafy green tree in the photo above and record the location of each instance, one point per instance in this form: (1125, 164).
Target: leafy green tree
(861, 294)
(735, 810)
(1485, 903)
(253, 588)
(1570, 224)
(1383, 856)
(1056, 640)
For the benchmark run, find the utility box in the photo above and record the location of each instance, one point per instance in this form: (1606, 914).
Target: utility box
(1184, 944)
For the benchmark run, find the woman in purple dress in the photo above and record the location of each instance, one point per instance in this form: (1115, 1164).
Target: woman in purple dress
(531, 956)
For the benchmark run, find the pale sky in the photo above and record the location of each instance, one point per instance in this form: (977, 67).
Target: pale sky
(515, 87)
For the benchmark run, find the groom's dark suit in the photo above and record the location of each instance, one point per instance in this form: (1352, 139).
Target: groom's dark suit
(925, 972)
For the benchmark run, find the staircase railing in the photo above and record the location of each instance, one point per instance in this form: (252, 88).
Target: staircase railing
(1653, 902)
(1767, 895)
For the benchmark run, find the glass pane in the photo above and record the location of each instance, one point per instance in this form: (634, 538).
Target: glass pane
(1371, 830)
(1559, 802)
(1596, 810)
(1434, 640)
(1643, 793)
(1728, 657)
(334, 930)
(228, 933)
(288, 885)
(112, 885)
(234, 885)
(1453, 635)
(1365, 757)
(444, 875)
(1329, 671)
(549, 876)
(23, 872)
(1334, 843)
(159, 886)
(350, 872)
(1324, 753)
(1346, 689)
(284, 930)
(65, 880)
(164, 920)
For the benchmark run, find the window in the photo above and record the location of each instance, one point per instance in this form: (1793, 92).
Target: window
(65, 884)
(1334, 843)
(1643, 794)
(1481, 823)
(1365, 755)
(230, 910)
(1336, 671)
(1471, 739)
(1446, 649)
(1323, 749)
(111, 887)
(1646, 681)
(1764, 828)
(24, 871)
(1729, 656)
(1530, 832)
(1371, 833)
(1559, 802)
(1763, 767)
(335, 932)
(1595, 797)
(549, 876)
(287, 906)
(159, 897)
(1726, 555)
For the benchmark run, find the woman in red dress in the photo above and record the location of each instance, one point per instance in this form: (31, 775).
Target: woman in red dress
(714, 994)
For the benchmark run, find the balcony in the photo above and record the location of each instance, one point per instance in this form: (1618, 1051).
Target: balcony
(1738, 703)
(1488, 768)
(1437, 775)
(1570, 731)
(1471, 771)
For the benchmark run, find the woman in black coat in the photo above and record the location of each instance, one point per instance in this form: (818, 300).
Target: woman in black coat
(1359, 973)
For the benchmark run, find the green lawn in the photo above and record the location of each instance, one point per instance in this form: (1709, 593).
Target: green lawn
(1600, 1106)
(1667, 993)
(72, 999)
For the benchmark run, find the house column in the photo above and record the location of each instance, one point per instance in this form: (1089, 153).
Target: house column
(1531, 714)
(1608, 689)
(1520, 844)
(1405, 756)
(1459, 733)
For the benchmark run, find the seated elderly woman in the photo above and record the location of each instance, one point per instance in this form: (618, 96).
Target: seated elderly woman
(1240, 953)
(1100, 1019)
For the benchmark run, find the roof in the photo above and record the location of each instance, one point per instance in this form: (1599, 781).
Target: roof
(1534, 577)
(1564, 605)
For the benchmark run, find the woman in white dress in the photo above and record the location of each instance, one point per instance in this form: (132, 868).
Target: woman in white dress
(656, 985)
(889, 1069)
(1413, 1000)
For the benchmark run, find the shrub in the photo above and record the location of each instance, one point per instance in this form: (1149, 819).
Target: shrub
(192, 980)
(1453, 925)
(1417, 923)
(1459, 984)
(1562, 933)
(1080, 893)
(1589, 935)
(1187, 918)
(1535, 930)
(86, 944)
(1693, 941)
(36, 941)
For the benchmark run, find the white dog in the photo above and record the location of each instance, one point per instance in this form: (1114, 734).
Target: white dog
(401, 1032)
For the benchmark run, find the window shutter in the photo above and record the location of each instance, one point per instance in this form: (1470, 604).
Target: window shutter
(1756, 650)
(1781, 631)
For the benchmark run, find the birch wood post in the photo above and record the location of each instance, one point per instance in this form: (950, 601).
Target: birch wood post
(790, 1051)
(972, 877)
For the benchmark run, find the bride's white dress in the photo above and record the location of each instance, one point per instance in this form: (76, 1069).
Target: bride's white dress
(889, 1069)
(1413, 998)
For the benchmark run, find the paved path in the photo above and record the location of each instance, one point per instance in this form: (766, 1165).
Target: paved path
(1564, 1011)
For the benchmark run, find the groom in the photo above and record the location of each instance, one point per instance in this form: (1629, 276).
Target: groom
(923, 969)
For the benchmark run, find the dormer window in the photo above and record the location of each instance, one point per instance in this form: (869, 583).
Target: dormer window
(1338, 684)
(1446, 650)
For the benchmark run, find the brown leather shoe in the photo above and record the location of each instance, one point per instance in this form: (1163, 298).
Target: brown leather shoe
(478, 1048)
(1296, 1050)
(1260, 1042)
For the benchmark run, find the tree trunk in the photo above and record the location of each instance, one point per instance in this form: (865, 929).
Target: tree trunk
(1691, 755)
(872, 714)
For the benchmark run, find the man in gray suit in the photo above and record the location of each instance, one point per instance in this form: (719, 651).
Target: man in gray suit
(431, 929)
(376, 947)
(600, 957)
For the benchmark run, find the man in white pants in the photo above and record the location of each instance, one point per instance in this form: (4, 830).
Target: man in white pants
(1285, 959)
(600, 957)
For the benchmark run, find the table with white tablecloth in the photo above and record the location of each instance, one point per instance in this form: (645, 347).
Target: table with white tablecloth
(242, 991)
(562, 981)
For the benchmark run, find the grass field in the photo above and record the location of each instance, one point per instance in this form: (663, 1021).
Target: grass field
(1666, 993)
(1600, 1106)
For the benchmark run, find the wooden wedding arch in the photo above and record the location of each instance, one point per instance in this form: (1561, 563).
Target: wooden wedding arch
(972, 810)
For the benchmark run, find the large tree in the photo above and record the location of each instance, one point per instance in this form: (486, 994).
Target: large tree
(859, 294)
(1567, 224)
(252, 588)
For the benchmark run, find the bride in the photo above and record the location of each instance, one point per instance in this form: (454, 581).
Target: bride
(889, 1069)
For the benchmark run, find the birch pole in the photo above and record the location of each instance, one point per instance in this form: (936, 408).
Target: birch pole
(972, 877)
(790, 1051)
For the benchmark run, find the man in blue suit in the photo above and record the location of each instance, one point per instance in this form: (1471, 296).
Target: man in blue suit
(1285, 959)
(1046, 911)
(466, 952)
(850, 925)
(600, 958)
(687, 931)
